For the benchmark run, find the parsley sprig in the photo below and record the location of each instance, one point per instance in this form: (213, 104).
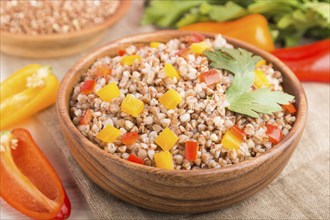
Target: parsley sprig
(242, 64)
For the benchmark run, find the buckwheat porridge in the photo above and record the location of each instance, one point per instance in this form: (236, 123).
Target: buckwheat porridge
(167, 105)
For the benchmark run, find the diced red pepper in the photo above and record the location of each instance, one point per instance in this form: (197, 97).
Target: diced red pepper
(87, 117)
(195, 37)
(191, 150)
(239, 133)
(129, 138)
(133, 158)
(274, 133)
(183, 52)
(88, 87)
(103, 71)
(121, 52)
(210, 77)
(290, 108)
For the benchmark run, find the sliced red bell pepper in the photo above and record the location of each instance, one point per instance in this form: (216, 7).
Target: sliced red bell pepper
(87, 117)
(210, 77)
(88, 87)
(274, 133)
(28, 181)
(133, 158)
(191, 149)
(289, 108)
(309, 62)
(65, 211)
(129, 138)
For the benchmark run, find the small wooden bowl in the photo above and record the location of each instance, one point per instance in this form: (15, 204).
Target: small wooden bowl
(58, 45)
(177, 191)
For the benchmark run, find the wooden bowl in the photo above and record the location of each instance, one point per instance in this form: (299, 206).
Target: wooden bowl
(177, 191)
(58, 45)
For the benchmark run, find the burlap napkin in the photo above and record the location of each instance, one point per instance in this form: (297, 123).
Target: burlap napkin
(300, 192)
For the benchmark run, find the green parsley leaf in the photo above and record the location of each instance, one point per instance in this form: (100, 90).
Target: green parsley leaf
(242, 64)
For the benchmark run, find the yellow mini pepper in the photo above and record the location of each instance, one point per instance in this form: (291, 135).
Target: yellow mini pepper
(166, 139)
(171, 72)
(164, 160)
(154, 44)
(109, 92)
(260, 79)
(108, 134)
(199, 48)
(233, 138)
(132, 106)
(130, 59)
(170, 99)
(26, 92)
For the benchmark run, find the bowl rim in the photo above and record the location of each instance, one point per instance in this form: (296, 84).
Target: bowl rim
(119, 12)
(295, 132)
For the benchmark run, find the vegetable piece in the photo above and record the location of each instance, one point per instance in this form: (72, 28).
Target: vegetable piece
(170, 71)
(132, 106)
(183, 52)
(166, 139)
(261, 63)
(256, 34)
(154, 44)
(309, 62)
(191, 148)
(103, 71)
(233, 138)
(108, 134)
(130, 59)
(87, 117)
(170, 99)
(242, 64)
(164, 160)
(199, 48)
(133, 158)
(260, 79)
(195, 37)
(88, 87)
(129, 138)
(65, 211)
(28, 181)
(274, 133)
(109, 92)
(289, 108)
(210, 77)
(121, 52)
(26, 92)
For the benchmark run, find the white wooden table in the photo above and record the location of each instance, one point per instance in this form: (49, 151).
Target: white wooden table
(128, 25)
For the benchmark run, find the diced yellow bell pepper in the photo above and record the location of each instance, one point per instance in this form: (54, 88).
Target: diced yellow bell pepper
(166, 139)
(130, 59)
(164, 160)
(171, 71)
(233, 138)
(109, 92)
(108, 134)
(154, 44)
(170, 99)
(261, 63)
(199, 48)
(260, 79)
(132, 106)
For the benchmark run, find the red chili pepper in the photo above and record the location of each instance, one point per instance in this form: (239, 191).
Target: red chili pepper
(274, 133)
(88, 87)
(290, 108)
(87, 117)
(133, 158)
(309, 62)
(210, 77)
(191, 148)
(129, 138)
(121, 52)
(65, 211)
